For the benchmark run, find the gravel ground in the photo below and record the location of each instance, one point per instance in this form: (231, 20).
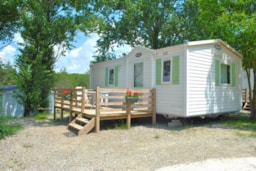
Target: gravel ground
(50, 146)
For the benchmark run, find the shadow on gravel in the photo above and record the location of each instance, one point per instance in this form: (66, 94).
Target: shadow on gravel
(226, 121)
(238, 121)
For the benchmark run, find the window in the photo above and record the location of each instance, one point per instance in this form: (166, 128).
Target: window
(111, 76)
(166, 75)
(168, 70)
(225, 74)
(138, 75)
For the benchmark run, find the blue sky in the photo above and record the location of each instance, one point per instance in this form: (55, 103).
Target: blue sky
(76, 60)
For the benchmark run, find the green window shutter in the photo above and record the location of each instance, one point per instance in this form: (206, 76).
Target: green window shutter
(217, 72)
(233, 72)
(116, 76)
(158, 71)
(176, 70)
(106, 77)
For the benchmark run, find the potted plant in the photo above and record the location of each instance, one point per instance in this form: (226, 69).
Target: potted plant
(67, 94)
(131, 97)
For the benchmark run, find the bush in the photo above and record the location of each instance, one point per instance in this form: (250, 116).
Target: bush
(8, 126)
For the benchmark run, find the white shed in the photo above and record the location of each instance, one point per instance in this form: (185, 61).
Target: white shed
(193, 79)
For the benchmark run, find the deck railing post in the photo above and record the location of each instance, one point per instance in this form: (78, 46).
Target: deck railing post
(54, 104)
(246, 95)
(62, 102)
(128, 113)
(153, 107)
(71, 103)
(83, 100)
(97, 119)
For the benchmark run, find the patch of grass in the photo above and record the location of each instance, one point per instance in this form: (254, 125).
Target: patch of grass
(26, 145)
(8, 126)
(157, 136)
(41, 117)
(240, 122)
(121, 125)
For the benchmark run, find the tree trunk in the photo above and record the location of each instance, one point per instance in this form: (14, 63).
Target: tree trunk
(26, 112)
(253, 98)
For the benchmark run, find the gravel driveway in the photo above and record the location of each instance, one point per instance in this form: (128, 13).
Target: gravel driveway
(50, 146)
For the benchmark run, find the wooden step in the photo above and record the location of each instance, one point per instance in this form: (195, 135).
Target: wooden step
(88, 127)
(75, 126)
(83, 120)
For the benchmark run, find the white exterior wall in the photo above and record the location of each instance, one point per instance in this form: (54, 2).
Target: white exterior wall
(170, 98)
(97, 75)
(196, 94)
(147, 60)
(204, 97)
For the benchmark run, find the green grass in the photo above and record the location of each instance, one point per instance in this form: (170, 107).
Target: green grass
(121, 125)
(8, 126)
(41, 117)
(241, 123)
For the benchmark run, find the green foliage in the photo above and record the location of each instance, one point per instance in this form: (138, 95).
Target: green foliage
(149, 23)
(9, 19)
(65, 80)
(7, 74)
(41, 117)
(44, 25)
(8, 126)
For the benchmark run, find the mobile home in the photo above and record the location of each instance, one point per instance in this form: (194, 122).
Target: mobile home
(198, 78)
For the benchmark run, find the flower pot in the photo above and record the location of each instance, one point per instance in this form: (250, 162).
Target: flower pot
(67, 97)
(131, 99)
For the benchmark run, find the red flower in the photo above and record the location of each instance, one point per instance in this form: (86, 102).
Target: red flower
(128, 92)
(66, 91)
(136, 94)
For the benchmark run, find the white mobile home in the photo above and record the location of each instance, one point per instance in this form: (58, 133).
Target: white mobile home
(193, 79)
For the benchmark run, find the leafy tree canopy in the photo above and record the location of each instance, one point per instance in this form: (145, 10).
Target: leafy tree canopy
(9, 19)
(152, 24)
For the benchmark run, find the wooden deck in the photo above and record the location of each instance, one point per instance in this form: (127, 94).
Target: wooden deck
(92, 106)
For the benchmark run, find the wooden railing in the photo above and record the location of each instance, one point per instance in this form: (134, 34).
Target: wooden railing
(105, 104)
(111, 104)
(72, 100)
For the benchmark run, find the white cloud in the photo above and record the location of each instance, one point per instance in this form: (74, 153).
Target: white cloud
(78, 59)
(7, 54)
(18, 39)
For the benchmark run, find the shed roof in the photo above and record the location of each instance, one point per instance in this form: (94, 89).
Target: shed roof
(8, 88)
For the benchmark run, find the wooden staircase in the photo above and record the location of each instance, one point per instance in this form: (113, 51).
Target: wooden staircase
(247, 106)
(82, 125)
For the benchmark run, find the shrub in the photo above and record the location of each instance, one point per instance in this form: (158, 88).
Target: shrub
(8, 126)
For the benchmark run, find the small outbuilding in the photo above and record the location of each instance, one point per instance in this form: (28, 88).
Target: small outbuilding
(198, 78)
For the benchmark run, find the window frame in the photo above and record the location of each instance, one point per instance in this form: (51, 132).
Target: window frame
(170, 71)
(113, 76)
(142, 83)
(228, 75)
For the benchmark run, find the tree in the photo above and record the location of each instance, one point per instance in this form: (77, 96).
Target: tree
(9, 19)
(45, 24)
(7, 74)
(65, 80)
(151, 24)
